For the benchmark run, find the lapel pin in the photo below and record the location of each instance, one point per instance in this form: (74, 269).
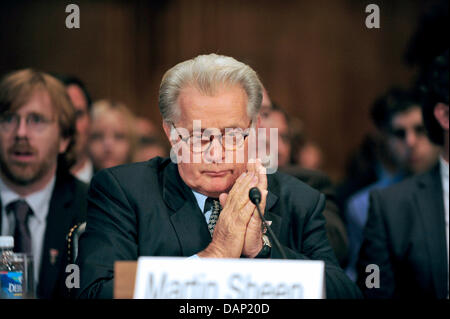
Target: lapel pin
(53, 255)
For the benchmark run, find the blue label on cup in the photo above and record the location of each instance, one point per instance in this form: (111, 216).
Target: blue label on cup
(11, 284)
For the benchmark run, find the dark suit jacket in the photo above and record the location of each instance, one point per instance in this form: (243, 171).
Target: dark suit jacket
(336, 231)
(405, 236)
(145, 209)
(67, 208)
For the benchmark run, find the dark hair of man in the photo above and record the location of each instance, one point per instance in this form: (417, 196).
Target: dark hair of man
(431, 36)
(385, 107)
(297, 137)
(73, 80)
(433, 88)
(277, 108)
(17, 87)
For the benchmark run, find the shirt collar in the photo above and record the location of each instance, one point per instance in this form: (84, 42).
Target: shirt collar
(38, 201)
(201, 199)
(7, 195)
(388, 177)
(86, 172)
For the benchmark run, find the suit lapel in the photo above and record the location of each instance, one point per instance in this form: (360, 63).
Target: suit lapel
(186, 217)
(53, 251)
(269, 215)
(191, 229)
(431, 209)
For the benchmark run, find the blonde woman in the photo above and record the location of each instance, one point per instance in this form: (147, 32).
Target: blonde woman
(112, 139)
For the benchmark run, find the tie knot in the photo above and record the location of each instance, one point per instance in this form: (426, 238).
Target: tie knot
(20, 209)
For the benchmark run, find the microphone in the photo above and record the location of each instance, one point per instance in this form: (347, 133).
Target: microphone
(255, 197)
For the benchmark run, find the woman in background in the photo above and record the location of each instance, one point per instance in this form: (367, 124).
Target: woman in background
(112, 137)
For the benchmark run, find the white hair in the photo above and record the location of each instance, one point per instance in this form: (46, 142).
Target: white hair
(206, 73)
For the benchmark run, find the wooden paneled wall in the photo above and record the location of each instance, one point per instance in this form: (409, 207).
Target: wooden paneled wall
(316, 58)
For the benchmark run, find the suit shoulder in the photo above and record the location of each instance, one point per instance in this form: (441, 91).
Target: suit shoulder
(315, 178)
(396, 204)
(68, 182)
(282, 184)
(78, 184)
(134, 171)
(398, 191)
(81, 188)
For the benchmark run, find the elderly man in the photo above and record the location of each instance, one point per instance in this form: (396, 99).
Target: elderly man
(39, 200)
(160, 208)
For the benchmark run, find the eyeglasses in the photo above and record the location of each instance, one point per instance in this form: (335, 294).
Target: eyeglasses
(34, 121)
(199, 142)
(401, 133)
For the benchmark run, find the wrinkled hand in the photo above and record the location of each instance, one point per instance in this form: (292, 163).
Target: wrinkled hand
(231, 227)
(253, 236)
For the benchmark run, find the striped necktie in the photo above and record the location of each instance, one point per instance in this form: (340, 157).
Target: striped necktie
(214, 205)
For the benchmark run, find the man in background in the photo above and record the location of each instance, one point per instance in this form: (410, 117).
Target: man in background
(81, 100)
(403, 149)
(40, 200)
(406, 234)
(149, 142)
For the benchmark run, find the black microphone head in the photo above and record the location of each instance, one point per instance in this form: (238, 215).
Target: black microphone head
(255, 195)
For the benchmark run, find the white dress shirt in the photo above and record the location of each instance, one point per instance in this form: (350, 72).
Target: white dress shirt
(201, 200)
(39, 203)
(86, 172)
(444, 177)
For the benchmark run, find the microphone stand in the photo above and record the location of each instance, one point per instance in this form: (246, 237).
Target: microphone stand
(255, 198)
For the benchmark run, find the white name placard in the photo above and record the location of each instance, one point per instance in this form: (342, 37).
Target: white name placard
(210, 278)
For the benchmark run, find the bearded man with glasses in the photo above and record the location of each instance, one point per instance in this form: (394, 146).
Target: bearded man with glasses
(196, 204)
(39, 200)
